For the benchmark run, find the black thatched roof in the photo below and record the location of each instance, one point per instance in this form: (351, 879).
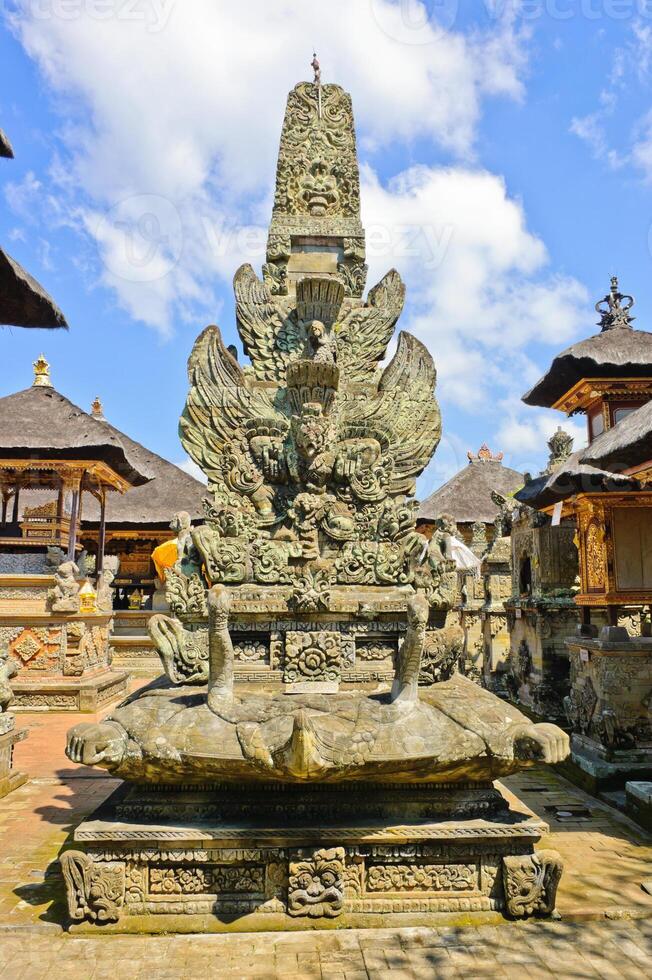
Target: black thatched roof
(467, 495)
(570, 478)
(40, 422)
(629, 443)
(23, 301)
(6, 149)
(171, 489)
(621, 352)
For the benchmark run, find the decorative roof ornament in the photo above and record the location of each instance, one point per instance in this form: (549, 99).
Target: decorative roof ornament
(316, 67)
(484, 455)
(97, 409)
(560, 445)
(41, 373)
(613, 314)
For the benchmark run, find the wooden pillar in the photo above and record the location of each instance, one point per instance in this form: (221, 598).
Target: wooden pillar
(101, 541)
(586, 615)
(5, 501)
(16, 499)
(72, 538)
(612, 612)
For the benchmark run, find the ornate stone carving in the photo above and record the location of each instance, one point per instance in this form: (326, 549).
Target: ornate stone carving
(8, 670)
(186, 595)
(104, 590)
(183, 652)
(312, 656)
(421, 877)
(95, 891)
(530, 882)
(316, 883)
(64, 596)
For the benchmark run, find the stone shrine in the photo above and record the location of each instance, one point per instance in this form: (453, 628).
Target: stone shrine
(603, 491)
(9, 778)
(321, 784)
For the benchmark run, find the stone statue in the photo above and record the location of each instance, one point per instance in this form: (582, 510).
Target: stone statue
(309, 667)
(64, 596)
(8, 669)
(104, 589)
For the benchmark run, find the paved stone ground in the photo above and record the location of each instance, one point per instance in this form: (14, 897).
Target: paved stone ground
(605, 928)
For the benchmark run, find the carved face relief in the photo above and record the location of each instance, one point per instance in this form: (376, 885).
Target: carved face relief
(319, 190)
(316, 886)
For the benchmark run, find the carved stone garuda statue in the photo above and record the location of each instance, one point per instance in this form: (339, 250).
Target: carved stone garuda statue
(308, 565)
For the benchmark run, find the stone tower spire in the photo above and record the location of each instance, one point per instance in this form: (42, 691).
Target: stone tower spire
(316, 228)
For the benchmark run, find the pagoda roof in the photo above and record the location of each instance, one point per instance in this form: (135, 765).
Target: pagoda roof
(627, 444)
(39, 422)
(170, 490)
(621, 352)
(467, 496)
(572, 477)
(23, 301)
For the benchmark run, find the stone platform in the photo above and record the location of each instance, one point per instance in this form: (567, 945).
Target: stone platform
(162, 860)
(10, 779)
(89, 693)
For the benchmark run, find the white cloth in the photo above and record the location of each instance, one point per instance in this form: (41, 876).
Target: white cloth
(463, 557)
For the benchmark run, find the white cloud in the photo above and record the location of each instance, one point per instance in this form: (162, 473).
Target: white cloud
(189, 466)
(524, 432)
(479, 291)
(184, 102)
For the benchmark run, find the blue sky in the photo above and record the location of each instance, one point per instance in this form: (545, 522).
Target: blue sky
(506, 153)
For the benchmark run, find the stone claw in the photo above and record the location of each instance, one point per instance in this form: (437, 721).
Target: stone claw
(93, 743)
(540, 743)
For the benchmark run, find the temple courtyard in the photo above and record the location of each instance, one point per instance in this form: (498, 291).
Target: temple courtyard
(603, 929)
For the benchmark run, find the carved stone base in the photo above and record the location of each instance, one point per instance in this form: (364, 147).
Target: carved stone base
(606, 767)
(84, 694)
(228, 859)
(10, 779)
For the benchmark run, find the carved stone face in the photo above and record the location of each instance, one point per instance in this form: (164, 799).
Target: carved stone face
(310, 433)
(316, 887)
(319, 190)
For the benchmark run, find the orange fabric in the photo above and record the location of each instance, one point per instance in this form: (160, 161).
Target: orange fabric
(164, 557)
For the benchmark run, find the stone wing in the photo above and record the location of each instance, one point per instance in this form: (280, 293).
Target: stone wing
(268, 327)
(220, 405)
(405, 408)
(364, 333)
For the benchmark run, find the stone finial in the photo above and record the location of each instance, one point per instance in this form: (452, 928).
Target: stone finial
(316, 67)
(41, 373)
(484, 454)
(560, 445)
(97, 410)
(613, 314)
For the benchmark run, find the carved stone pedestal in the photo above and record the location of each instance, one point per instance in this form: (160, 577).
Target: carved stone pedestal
(10, 779)
(286, 857)
(610, 706)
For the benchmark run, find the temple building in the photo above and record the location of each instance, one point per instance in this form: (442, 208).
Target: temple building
(55, 624)
(603, 490)
(473, 499)
(23, 301)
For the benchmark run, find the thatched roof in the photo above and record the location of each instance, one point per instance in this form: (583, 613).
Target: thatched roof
(629, 443)
(6, 149)
(467, 495)
(23, 301)
(570, 478)
(621, 352)
(171, 489)
(41, 422)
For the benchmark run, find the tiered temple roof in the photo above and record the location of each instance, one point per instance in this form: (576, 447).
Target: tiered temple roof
(467, 496)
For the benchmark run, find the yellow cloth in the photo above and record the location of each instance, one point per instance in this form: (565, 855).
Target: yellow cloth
(164, 557)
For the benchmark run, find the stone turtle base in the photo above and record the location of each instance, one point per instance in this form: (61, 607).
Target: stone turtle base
(201, 868)
(81, 694)
(10, 779)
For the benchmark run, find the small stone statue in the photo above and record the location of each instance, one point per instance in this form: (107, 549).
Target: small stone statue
(64, 596)
(316, 67)
(104, 589)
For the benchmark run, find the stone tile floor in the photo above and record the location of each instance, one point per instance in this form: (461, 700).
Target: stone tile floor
(605, 928)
